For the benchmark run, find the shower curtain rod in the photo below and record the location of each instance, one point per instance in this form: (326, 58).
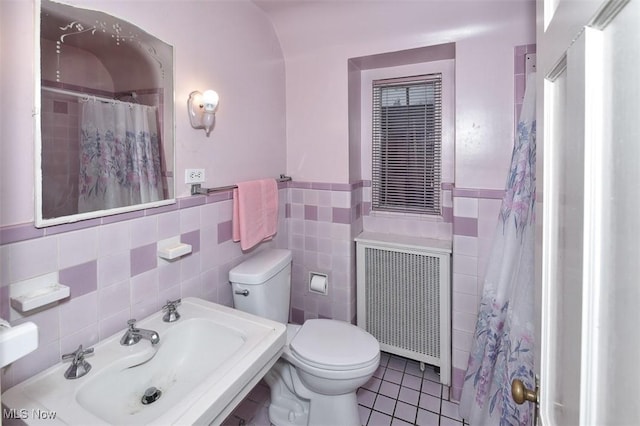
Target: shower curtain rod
(83, 95)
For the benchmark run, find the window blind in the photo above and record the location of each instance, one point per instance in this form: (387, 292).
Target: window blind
(407, 141)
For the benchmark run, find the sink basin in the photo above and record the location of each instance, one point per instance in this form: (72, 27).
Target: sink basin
(205, 363)
(17, 341)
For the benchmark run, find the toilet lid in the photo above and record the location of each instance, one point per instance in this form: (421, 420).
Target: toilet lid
(334, 345)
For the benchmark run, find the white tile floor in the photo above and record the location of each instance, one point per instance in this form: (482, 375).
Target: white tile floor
(397, 394)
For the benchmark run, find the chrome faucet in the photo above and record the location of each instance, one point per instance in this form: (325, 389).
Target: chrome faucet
(172, 314)
(133, 335)
(79, 367)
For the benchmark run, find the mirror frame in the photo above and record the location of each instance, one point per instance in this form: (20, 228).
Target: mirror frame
(40, 221)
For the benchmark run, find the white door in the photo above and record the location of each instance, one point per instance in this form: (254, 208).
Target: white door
(589, 137)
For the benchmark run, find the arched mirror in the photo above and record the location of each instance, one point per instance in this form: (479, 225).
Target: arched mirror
(105, 131)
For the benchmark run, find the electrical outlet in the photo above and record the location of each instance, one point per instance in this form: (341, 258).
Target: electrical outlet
(194, 176)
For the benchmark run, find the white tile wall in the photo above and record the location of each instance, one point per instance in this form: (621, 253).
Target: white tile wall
(467, 284)
(467, 246)
(100, 313)
(20, 258)
(113, 268)
(115, 237)
(465, 207)
(319, 245)
(467, 265)
(77, 247)
(145, 230)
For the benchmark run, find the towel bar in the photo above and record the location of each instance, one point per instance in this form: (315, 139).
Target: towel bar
(196, 189)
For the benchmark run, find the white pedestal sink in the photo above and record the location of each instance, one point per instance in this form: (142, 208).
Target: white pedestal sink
(203, 366)
(17, 341)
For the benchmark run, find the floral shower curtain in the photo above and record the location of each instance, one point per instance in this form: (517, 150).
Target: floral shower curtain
(119, 155)
(503, 346)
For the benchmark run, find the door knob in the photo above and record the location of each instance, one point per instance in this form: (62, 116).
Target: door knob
(520, 394)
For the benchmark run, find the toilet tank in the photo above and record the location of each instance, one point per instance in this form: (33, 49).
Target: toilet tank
(261, 285)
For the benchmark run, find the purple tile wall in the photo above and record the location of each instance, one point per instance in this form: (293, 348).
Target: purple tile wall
(225, 231)
(4, 302)
(438, 227)
(467, 226)
(323, 219)
(112, 267)
(143, 259)
(81, 279)
(192, 238)
(318, 221)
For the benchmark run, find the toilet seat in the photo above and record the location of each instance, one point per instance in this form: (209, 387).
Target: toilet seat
(334, 345)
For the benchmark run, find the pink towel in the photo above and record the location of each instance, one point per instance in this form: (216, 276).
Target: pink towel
(255, 212)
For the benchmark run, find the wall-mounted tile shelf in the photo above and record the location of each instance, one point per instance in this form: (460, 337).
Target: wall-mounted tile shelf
(39, 297)
(172, 248)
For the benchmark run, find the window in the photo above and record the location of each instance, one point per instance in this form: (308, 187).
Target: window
(407, 144)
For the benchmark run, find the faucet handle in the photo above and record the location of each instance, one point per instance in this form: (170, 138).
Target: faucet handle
(79, 367)
(77, 355)
(172, 304)
(172, 314)
(131, 323)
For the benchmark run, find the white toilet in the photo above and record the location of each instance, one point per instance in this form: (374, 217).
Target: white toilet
(324, 361)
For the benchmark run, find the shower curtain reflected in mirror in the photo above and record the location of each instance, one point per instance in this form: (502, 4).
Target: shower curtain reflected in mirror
(120, 161)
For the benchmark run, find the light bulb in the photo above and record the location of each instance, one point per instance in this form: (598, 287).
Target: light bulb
(210, 100)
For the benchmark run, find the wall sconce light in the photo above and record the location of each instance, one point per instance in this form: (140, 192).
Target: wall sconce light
(202, 109)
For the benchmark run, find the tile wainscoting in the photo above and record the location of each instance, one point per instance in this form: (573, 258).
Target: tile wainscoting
(114, 274)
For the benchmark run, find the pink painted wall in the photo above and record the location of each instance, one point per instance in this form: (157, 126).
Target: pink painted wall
(227, 46)
(318, 38)
(110, 263)
(271, 121)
